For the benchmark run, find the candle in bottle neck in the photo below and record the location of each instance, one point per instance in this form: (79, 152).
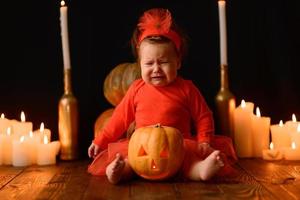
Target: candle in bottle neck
(222, 30)
(64, 35)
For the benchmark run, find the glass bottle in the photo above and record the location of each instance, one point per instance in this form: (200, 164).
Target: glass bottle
(68, 121)
(225, 105)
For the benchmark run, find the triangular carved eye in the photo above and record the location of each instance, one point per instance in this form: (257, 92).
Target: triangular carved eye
(164, 153)
(142, 152)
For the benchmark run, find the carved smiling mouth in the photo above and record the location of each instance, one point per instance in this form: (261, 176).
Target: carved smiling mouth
(154, 167)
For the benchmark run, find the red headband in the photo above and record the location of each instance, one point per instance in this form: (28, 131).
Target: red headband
(158, 22)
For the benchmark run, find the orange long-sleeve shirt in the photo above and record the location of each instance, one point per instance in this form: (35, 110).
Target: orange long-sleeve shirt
(179, 104)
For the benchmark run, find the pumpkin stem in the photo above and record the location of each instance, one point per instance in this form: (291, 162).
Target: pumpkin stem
(157, 125)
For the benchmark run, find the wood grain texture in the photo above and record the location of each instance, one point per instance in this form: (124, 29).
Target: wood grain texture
(143, 189)
(69, 182)
(7, 174)
(28, 183)
(242, 186)
(255, 179)
(278, 177)
(99, 188)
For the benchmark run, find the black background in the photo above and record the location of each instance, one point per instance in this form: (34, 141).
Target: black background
(263, 41)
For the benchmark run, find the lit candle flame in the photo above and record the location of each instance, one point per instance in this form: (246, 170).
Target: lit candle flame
(8, 131)
(23, 119)
(31, 134)
(258, 112)
(294, 118)
(271, 146)
(62, 3)
(42, 127)
(45, 139)
(281, 123)
(2, 116)
(22, 139)
(293, 145)
(243, 104)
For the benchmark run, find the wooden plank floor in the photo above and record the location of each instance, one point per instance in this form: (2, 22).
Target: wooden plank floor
(257, 179)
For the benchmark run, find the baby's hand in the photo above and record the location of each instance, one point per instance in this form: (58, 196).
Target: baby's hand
(93, 150)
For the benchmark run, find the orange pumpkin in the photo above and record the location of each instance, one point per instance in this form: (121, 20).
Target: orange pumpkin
(102, 120)
(156, 152)
(118, 81)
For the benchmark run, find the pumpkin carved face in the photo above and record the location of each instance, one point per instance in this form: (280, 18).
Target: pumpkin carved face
(156, 152)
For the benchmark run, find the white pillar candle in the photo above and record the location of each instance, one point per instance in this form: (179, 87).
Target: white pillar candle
(47, 152)
(295, 136)
(21, 153)
(272, 154)
(57, 147)
(292, 153)
(7, 140)
(242, 129)
(280, 136)
(292, 125)
(260, 133)
(43, 132)
(22, 127)
(33, 141)
(64, 35)
(223, 31)
(4, 124)
(1, 149)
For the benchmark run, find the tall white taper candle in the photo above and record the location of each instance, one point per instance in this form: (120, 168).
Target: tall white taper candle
(223, 35)
(64, 34)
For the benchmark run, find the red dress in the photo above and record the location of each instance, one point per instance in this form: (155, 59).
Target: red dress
(180, 105)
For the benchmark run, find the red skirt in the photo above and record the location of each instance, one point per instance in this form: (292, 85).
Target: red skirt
(192, 154)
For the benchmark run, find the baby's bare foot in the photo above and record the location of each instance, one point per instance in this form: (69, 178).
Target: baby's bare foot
(211, 165)
(114, 169)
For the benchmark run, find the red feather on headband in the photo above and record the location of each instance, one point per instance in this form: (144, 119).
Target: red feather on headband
(156, 19)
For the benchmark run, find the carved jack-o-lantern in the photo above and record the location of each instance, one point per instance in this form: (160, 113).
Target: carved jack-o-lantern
(156, 152)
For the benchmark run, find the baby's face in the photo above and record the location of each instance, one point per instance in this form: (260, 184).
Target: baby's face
(159, 63)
